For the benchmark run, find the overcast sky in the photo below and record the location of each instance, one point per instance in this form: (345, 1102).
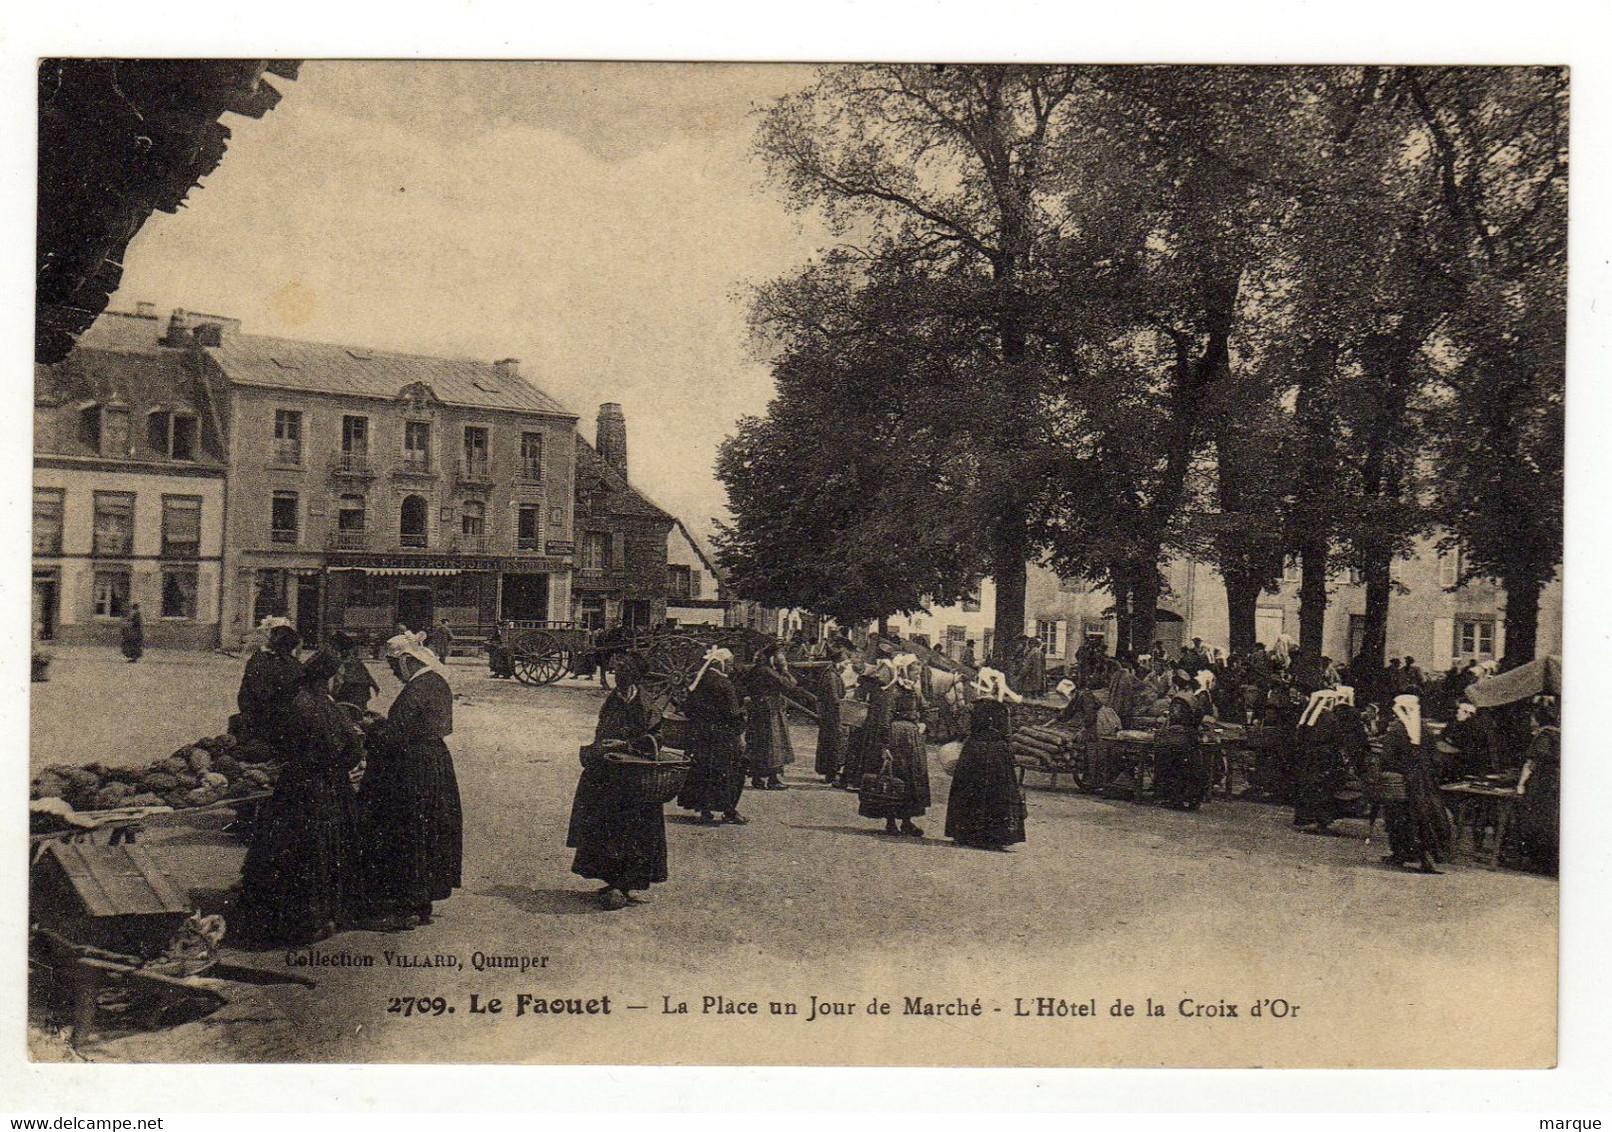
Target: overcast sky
(601, 222)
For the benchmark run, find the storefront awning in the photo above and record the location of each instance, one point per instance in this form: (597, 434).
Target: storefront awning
(395, 571)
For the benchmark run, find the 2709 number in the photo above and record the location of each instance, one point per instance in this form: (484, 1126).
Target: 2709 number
(419, 1007)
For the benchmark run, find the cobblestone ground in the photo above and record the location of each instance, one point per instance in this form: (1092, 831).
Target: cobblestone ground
(1106, 901)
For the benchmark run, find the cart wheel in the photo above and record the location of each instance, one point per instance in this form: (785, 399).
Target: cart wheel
(671, 667)
(527, 668)
(550, 666)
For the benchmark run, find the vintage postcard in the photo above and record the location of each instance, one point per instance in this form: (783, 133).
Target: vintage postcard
(783, 564)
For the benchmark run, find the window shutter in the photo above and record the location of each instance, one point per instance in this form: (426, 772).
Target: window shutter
(1060, 641)
(1443, 643)
(618, 551)
(1500, 639)
(695, 577)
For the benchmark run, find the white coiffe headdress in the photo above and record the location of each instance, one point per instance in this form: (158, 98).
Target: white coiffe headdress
(413, 644)
(716, 654)
(1408, 710)
(993, 684)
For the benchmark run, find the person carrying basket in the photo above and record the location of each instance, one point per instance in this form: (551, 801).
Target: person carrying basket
(617, 829)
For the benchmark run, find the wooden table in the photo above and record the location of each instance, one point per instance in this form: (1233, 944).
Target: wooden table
(1476, 806)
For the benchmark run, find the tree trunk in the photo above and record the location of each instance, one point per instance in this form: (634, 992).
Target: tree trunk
(884, 626)
(1374, 636)
(1313, 597)
(1242, 600)
(1120, 584)
(1144, 607)
(1010, 551)
(1523, 588)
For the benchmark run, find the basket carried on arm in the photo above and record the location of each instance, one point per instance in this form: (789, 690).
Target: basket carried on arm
(883, 788)
(641, 771)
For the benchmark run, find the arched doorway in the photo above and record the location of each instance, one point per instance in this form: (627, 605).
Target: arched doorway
(413, 523)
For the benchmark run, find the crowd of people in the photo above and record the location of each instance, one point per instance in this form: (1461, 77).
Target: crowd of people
(363, 828)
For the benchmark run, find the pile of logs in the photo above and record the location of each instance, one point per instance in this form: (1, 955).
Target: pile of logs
(1045, 746)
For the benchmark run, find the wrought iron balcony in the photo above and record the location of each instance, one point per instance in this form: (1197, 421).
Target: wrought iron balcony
(475, 470)
(412, 541)
(349, 540)
(356, 464)
(531, 471)
(529, 545)
(471, 544)
(417, 464)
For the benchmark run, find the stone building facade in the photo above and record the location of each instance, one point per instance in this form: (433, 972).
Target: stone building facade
(129, 490)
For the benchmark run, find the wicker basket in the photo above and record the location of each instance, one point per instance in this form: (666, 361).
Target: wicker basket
(649, 779)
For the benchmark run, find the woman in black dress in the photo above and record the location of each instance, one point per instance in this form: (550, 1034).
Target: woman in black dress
(1181, 774)
(715, 743)
(619, 840)
(1420, 834)
(986, 807)
(297, 883)
(768, 748)
(411, 822)
(904, 746)
(830, 689)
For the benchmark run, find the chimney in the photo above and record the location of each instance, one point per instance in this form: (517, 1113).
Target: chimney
(145, 310)
(178, 329)
(209, 334)
(611, 439)
(508, 367)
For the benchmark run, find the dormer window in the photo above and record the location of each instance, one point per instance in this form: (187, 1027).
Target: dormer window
(171, 434)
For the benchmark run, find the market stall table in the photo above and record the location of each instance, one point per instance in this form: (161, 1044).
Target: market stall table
(1479, 806)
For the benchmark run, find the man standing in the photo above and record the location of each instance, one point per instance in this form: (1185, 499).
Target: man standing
(134, 634)
(441, 640)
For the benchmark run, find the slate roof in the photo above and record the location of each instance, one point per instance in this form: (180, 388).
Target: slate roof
(623, 497)
(319, 367)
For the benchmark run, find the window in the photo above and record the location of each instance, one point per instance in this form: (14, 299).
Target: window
(417, 446)
(114, 523)
(287, 436)
(111, 593)
(531, 455)
(179, 592)
(350, 513)
(355, 436)
(473, 524)
(48, 520)
(283, 517)
(171, 434)
(1051, 636)
(181, 526)
(475, 453)
(529, 528)
(413, 522)
(115, 433)
(595, 551)
(1073, 585)
(679, 582)
(1355, 578)
(183, 446)
(1449, 568)
(1474, 638)
(89, 428)
(1291, 570)
(956, 641)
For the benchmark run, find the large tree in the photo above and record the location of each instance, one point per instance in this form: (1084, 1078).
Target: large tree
(965, 173)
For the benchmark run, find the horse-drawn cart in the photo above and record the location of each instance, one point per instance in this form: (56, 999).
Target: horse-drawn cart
(542, 652)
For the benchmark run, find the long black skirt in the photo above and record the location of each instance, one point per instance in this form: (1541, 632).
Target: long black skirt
(986, 806)
(620, 842)
(300, 871)
(411, 828)
(909, 761)
(830, 742)
(1182, 774)
(716, 778)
